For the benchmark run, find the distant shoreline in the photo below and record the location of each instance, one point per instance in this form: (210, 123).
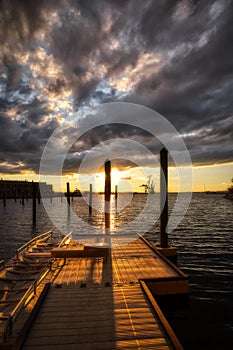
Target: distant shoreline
(119, 192)
(229, 196)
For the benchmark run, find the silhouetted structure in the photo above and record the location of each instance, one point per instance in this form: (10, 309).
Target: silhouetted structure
(20, 189)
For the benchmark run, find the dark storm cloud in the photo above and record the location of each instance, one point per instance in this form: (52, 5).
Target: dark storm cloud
(22, 142)
(8, 134)
(19, 20)
(110, 131)
(196, 68)
(56, 86)
(173, 56)
(211, 143)
(101, 140)
(82, 43)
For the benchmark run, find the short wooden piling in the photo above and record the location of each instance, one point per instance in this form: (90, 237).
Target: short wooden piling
(22, 202)
(116, 194)
(163, 198)
(90, 200)
(34, 203)
(4, 199)
(38, 198)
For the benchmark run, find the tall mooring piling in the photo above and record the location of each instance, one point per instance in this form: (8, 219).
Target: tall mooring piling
(163, 198)
(90, 200)
(34, 203)
(107, 192)
(68, 197)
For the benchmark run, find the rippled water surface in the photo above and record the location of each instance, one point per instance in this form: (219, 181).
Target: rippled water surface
(204, 240)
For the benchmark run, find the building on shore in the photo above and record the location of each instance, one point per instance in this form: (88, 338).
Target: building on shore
(19, 189)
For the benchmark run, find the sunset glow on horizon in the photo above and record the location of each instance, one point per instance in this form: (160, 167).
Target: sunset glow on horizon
(205, 178)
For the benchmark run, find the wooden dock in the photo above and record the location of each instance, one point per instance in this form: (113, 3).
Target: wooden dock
(105, 302)
(90, 296)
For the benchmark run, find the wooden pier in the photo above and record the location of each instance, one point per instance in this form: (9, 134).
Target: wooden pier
(105, 302)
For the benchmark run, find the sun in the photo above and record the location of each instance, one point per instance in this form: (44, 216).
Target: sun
(116, 180)
(116, 176)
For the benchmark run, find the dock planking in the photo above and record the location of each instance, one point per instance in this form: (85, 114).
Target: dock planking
(117, 317)
(98, 303)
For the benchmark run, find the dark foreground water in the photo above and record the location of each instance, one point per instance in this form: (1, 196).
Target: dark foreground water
(204, 240)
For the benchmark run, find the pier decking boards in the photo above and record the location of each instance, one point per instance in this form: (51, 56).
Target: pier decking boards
(117, 317)
(99, 303)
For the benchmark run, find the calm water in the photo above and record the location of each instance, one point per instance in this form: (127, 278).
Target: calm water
(205, 244)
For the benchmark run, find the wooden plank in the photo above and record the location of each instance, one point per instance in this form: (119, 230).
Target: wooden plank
(79, 252)
(37, 255)
(168, 287)
(120, 269)
(114, 317)
(162, 318)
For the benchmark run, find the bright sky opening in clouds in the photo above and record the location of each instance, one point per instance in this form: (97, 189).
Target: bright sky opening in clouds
(205, 178)
(58, 58)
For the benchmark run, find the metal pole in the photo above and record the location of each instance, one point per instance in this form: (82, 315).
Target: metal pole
(163, 198)
(90, 200)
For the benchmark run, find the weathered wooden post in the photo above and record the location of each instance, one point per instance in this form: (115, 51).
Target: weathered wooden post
(34, 203)
(4, 199)
(163, 198)
(90, 200)
(38, 197)
(22, 199)
(107, 192)
(68, 197)
(116, 195)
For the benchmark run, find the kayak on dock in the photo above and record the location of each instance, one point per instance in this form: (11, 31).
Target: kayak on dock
(21, 277)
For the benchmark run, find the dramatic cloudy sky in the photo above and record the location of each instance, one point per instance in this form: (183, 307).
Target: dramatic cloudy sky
(59, 57)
